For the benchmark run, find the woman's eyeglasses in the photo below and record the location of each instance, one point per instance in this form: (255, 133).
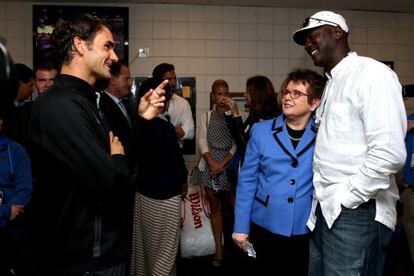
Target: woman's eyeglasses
(294, 94)
(308, 20)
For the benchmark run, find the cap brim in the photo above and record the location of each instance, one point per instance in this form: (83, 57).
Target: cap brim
(300, 35)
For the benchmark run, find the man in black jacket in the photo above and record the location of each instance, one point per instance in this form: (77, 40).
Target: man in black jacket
(81, 170)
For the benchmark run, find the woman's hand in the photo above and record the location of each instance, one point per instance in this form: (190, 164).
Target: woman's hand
(240, 240)
(232, 106)
(215, 167)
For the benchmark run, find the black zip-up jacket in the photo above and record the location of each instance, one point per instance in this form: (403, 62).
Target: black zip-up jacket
(80, 198)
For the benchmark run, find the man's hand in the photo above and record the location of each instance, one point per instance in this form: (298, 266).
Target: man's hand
(116, 145)
(179, 131)
(410, 125)
(16, 210)
(152, 103)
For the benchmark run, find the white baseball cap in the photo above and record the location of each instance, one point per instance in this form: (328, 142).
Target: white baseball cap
(317, 20)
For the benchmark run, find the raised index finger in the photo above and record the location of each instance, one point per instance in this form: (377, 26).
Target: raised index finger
(160, 88)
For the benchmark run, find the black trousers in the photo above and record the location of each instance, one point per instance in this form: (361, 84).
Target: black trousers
(280, 255)
(16, 249)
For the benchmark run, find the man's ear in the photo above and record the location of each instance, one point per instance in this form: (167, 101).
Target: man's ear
(78, 45)
(338, 32)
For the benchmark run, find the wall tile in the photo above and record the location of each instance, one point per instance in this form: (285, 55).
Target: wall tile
(143, 29)
(231, 48)
(161, 12)
(264, 49)
(264, 32)
(231, 31)
(197, 30)
(281, 33)
(179, 13)
(196, 66)
(196, 48)
(214, 48)
(264, 66)
(179, 30)
(403, 36)
(142, 12)
(214, 31)
(179, 48)
(248, 31)
(247, 48)
(161, 30)
(264, 15)
(197, 13)
(231, 66)
(358, 35)
(403, 52)
(213, 66)
(231, 14)
(374, 35)
(247, 14)
(281, 16)
(161, 48)
(389, 36)
(374, 51)
(248, 66)
(214, 14)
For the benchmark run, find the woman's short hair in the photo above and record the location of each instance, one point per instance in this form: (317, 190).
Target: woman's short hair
(217, 84)
(313, 80)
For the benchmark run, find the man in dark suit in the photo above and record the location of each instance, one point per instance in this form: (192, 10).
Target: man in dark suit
(16, 126)
(117, 116)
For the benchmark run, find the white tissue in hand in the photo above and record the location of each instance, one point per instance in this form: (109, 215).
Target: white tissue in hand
(250, 250)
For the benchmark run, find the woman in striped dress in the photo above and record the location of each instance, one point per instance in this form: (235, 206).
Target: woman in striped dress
(162, 176)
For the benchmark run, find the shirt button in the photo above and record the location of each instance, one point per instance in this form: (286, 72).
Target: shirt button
(294, 163)
(292, 182)
(290, 200)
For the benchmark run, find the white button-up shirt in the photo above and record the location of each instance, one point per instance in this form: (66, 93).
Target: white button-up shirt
(179, 111)
(360, 141)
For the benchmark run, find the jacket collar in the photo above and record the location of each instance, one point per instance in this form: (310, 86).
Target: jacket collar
(281, 136)
(77, 86)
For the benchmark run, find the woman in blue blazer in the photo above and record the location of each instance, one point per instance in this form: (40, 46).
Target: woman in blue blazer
(274, 192)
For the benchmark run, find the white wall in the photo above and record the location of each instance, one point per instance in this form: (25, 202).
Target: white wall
(232, 43)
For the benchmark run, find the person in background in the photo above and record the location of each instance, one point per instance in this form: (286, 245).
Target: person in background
(15, 193)
(178, 111)
(82, 175)
(44, 73)
(262, 104)
(17, 123)
(408, 193)
(217, 148)
(359, 147)
(116, 113)
(162, 181)
(274, 192)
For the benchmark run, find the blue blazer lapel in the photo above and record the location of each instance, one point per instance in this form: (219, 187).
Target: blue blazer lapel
(308, 139)
(281, 137)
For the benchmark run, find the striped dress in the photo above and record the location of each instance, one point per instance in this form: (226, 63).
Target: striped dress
(156, 235)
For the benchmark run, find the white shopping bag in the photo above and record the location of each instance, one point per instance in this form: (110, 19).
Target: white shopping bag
(196, 234)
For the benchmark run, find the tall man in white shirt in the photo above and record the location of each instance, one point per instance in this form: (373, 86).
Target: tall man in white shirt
(359, 146)
(178, 111)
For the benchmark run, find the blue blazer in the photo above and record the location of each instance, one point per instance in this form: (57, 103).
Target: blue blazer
(275, 183)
